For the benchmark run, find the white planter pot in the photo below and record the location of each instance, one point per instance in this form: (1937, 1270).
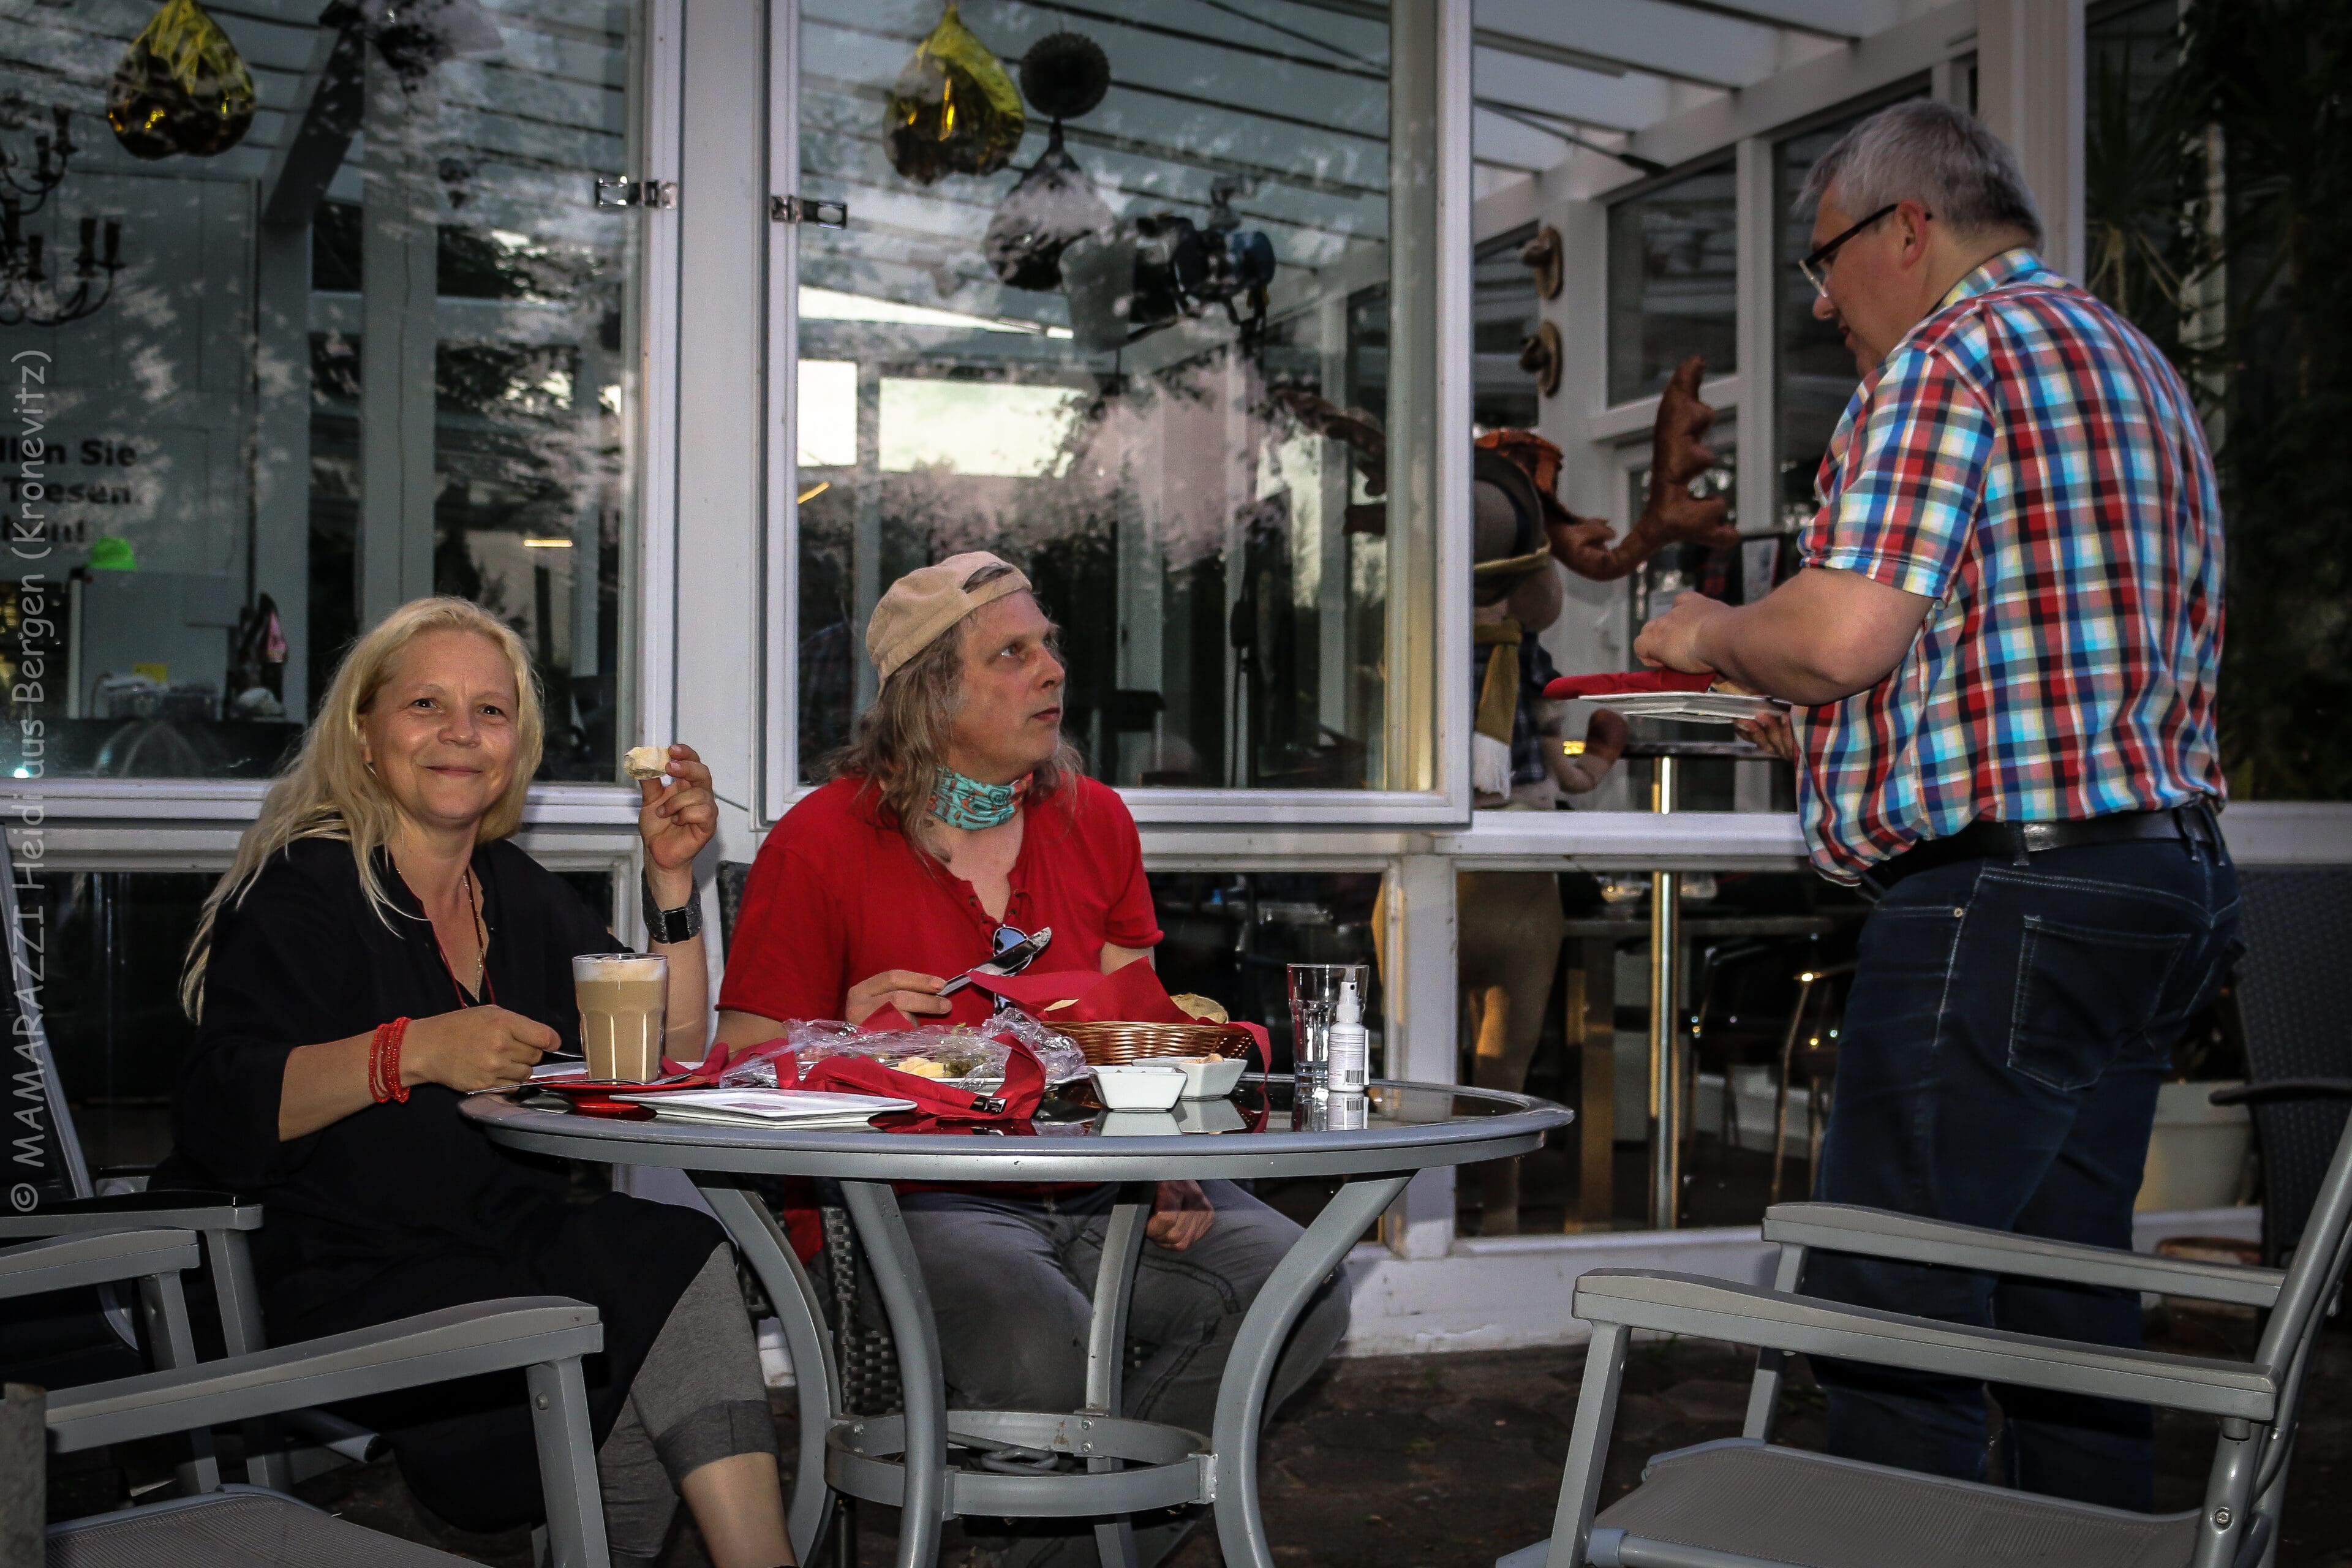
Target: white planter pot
(2197, 1155)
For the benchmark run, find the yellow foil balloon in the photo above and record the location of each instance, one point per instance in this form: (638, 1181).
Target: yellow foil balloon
(954, 110)
(181, 88)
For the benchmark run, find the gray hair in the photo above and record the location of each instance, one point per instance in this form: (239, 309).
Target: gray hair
(1931, 153)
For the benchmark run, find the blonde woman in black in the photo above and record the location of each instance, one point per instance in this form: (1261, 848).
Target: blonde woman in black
(381, 948)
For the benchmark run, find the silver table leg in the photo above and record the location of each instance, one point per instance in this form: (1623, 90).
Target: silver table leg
(1107, 1346)
(815, 1381)
(898, 1275)
(1241, 1397)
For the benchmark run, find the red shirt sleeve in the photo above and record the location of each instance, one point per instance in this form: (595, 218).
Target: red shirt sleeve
(789, 957)
(1131, 920)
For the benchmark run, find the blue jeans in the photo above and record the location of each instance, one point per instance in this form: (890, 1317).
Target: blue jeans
(2008, 1028)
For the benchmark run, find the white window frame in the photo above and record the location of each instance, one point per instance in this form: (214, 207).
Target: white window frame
(1427, 638)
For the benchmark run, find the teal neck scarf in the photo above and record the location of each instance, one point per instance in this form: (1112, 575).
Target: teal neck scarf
(968, 803)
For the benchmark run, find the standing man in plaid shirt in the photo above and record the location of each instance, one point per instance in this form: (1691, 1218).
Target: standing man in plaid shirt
(2002, 653)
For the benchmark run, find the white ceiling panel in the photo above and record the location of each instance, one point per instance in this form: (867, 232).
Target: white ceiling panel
(1654, 35)
(1625, 65)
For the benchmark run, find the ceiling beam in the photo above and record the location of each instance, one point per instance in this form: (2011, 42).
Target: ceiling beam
(1810, 17)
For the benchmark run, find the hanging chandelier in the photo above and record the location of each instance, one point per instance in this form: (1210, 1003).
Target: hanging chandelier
(35, 288)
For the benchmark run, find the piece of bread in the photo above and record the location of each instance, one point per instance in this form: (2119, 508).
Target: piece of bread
(1202, 1007)
(646, 762)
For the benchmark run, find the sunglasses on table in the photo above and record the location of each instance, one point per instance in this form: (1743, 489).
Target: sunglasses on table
(1010, 949)
(1815, 266)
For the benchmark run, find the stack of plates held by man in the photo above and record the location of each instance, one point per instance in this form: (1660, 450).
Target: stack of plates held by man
(1666, 694)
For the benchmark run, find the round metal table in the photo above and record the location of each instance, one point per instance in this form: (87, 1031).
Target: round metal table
(1130, 1466)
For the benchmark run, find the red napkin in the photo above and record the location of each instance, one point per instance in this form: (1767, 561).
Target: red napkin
(1016, 1098)
(1130, 994)
(1626, 683)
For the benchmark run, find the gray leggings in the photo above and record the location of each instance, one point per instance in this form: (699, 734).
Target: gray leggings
(698, 1397)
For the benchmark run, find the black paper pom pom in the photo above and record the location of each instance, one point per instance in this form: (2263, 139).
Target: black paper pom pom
(1064, 75)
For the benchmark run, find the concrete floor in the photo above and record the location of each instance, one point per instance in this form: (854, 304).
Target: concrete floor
(1447, 1462)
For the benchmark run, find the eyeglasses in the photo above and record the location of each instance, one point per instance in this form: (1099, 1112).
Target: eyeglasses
(1816, 267)
(1007, 943)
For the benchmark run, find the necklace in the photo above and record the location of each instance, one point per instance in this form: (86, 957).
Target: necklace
(966, 802)
(482, 942)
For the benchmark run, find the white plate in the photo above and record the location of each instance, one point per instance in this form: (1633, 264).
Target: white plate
(1691, 706)
(768, 1107)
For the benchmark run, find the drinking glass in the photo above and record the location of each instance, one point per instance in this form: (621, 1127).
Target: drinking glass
(624, 1014)
(1314, 1003)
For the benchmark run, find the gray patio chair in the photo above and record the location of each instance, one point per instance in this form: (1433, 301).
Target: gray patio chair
(1745, 1501)
(63, 1267)
(87, 1335)
(219, 1527)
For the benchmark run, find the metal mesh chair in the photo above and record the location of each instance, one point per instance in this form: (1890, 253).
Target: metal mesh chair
(2297, 926)
(864, 1355)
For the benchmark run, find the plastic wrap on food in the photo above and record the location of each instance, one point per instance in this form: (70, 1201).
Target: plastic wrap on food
(1063, 1060)
(967, 1055)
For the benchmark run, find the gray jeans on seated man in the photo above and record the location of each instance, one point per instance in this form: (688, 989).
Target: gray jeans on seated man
(1011, 1285)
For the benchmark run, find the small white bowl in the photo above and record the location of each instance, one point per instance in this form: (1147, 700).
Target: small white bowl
(1139, 1124)
(1210, 1078)
(1209, 1116)
(1139, 1086)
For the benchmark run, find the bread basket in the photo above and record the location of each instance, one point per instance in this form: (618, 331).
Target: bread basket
(1109, 1043)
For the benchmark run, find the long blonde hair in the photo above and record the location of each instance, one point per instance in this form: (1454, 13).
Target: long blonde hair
(331, 793)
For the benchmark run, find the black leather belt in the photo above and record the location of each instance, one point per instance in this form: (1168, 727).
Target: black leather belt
(2191, 825)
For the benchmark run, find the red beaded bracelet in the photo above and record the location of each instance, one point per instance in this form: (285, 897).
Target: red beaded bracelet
(384, 1063)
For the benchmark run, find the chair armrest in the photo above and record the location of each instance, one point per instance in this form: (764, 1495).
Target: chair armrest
(432, 1347)
(1876, 1232)
(188, 1210)
(2282, 1088)
(1768, 1319)
(64, 1262)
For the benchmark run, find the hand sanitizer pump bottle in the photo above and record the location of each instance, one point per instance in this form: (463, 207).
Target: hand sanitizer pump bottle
(1351, 1046)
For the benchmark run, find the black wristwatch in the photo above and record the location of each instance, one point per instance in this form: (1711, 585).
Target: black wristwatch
(681, 924)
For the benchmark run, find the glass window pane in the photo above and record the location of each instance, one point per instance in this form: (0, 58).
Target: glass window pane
(108, 992)
(1139, 349)
(381, 345)
(1505, 313)
(1673, 282)
(1813, 371)
(1231, 935)
(1555, 987)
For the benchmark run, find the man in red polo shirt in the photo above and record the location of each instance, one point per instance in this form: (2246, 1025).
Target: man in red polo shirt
(849, 908)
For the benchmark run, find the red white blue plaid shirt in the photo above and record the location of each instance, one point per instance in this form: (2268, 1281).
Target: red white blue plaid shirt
(2028, 461)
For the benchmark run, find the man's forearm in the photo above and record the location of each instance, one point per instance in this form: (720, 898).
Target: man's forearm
(1780, 649)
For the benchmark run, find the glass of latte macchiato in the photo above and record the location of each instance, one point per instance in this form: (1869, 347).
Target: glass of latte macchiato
(623, 1007)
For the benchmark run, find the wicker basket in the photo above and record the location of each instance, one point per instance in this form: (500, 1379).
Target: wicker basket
(1109, 1043)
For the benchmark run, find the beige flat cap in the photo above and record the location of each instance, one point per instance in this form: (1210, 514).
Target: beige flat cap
(929, 600)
